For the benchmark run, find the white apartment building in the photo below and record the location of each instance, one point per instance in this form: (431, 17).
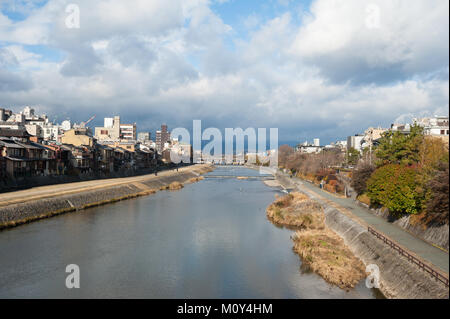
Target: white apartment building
(434, 126)
(355, 142)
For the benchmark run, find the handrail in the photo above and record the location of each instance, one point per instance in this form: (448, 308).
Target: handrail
(434, 273)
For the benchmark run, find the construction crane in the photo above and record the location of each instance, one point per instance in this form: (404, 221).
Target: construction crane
(83, 124)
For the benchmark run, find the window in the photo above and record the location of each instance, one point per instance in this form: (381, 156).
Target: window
(442, 132)
(104, 132)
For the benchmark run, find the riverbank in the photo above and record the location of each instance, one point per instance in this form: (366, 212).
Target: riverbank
(319, 247)
(22, 207)
(398, 276)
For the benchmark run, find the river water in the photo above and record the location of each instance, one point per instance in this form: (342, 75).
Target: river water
(208, 240)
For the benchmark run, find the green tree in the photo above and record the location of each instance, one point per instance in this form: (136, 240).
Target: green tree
(397, 187)
(352, 156)
(400, 148)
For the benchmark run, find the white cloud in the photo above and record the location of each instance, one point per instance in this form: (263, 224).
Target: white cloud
(376, 40)
(169, 61)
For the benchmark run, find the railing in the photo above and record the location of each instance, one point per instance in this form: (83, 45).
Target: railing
(437, 275)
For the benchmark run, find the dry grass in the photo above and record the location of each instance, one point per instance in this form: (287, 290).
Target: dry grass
(326, 254)
(15, 223)
(296, 209)
(195, 179)
(175, 186)
(363, 198)
(319, 247)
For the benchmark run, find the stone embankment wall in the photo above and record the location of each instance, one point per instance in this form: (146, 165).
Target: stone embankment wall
(17, 214)
(437, 235)
(399, 278)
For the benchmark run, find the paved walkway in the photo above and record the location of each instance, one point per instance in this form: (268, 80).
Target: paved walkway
(428, 252)
(76, 187)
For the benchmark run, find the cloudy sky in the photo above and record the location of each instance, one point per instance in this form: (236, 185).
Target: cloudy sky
(320, 68)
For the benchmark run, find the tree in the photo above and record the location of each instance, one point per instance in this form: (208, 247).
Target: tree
(432, 152)
(360, 176)
(437, 206)
(396, 187)
(284, 152)
(352, 156)
(399, 148)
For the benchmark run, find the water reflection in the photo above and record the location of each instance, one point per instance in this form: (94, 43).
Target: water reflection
(208, 240)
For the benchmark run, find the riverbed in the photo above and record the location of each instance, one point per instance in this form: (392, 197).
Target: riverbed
(209, 240)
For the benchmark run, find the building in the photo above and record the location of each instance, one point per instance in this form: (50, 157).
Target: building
(162, 138)
(309, 148)
(355, 142)
(434, 126)
(5, 114)
(77, 137)
(110, 130)
(342, 145)
(81, 158)
(22, 158)
(128, 132)
(316, 142)
(130, 146)
(105, 158)
(62, 157)
(113, 130)
(181, 152)
(11, 125)
(144, 137)
(371, 136)
(402, 128)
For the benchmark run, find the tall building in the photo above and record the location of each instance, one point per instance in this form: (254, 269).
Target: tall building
(162, 137)
(128, 132)
(316, 142)
(113, 130)
(144, 137)
(355, 142)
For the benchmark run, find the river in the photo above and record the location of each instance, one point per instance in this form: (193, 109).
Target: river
(209, 240)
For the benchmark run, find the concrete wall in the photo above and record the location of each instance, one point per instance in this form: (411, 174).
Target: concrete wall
(437, 235)
(14, 215)
(399, 278)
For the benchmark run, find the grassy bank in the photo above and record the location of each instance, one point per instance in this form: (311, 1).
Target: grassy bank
(318, 246)
(296, 209)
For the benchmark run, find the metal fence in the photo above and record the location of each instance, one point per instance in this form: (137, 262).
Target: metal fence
(434, 273)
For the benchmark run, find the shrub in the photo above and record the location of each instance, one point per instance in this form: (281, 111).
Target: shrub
(437, 206)
(360, 177)
(397, 188)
